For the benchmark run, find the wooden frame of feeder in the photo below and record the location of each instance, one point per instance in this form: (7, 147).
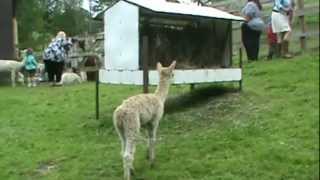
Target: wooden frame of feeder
(128, 46)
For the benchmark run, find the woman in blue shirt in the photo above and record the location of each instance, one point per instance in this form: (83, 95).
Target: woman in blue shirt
(252, 28)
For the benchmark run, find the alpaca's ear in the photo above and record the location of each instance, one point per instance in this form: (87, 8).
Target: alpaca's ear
(173, 65)
(159, 66)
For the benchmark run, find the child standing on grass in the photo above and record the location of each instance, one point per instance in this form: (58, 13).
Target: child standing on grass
(30, 65)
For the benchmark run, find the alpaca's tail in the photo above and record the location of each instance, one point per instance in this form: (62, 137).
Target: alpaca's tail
(118, 125)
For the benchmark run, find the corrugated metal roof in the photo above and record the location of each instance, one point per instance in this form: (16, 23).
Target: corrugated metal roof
(184, 9)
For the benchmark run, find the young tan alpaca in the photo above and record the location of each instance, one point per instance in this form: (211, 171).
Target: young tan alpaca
(141, 110)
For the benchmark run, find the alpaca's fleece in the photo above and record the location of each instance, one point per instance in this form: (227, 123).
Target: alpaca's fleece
(69, 78)
(146, 106)
(9, 65)
(41, 68)
(14, 67)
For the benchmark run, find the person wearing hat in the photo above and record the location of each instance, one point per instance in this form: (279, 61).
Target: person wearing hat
(30, 65)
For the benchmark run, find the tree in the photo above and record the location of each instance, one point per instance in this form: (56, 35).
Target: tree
(98, 5)
(40, 20)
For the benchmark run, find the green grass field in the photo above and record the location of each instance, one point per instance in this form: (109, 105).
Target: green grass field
(269, 131)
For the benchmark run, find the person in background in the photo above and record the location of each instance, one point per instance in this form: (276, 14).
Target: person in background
(291, 12)
(55, 56)
(251, 29)
(272, 41)
(30, 65)
(281, 17)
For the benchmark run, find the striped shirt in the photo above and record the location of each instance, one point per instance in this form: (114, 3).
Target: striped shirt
(282, 5)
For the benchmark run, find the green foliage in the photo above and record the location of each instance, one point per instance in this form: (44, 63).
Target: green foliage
(29, 22)
(270, 130)
(40, 20)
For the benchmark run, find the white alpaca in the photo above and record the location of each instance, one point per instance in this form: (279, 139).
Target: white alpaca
(83, 75)
(14, 67)
(69, 78)
(41, 71)
(141, 110)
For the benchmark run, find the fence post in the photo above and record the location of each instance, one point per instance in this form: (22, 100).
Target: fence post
(97, 61)
(240, 66)
(145, 58)
(303, 25)
(97, 94)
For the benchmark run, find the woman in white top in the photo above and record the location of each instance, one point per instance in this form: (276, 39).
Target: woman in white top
(281, 18)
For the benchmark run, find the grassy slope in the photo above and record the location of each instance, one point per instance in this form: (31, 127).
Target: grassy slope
(268, 131)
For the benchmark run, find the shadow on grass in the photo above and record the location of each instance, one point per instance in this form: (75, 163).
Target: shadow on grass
(196, 97)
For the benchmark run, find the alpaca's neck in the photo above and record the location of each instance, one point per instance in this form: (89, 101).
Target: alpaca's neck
(20, 66)
(162, 89)
(17, 66)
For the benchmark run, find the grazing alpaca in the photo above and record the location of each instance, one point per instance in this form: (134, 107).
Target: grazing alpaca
(141, 110)
(70, 78)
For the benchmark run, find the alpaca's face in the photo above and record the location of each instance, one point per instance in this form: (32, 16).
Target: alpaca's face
(166, 72)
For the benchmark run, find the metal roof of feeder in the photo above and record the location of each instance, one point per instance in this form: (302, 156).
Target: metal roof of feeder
(182, 9)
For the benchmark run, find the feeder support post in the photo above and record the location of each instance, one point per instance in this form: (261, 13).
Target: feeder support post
(145, 57)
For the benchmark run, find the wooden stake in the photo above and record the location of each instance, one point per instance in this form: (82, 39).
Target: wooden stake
(145, 57)
(303, 25)
(97, 95)
(240, 65)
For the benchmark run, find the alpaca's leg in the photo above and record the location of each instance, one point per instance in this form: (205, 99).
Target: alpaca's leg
(29, 81)
(13, 78)
(123, 142)
(79, 80)
(152, 142)
(128, 158)
(21, 77)
(131, 132)
(122, 138)
(149, 131)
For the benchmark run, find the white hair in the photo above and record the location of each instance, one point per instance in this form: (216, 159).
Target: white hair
(61, 34)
